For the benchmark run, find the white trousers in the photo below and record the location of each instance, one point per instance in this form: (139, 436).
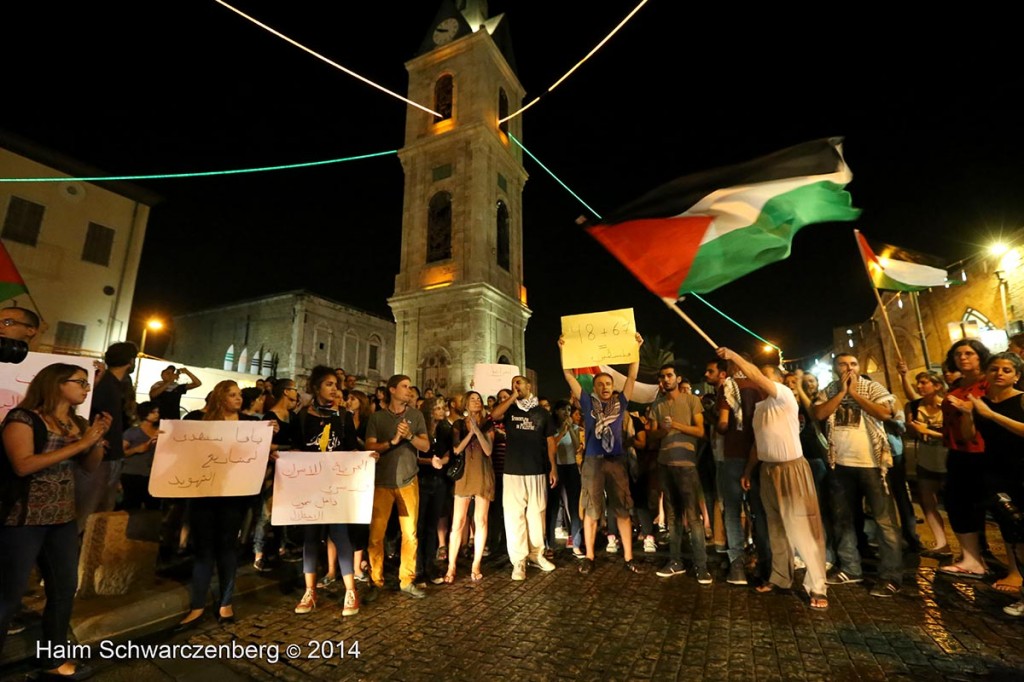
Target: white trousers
(524, 501)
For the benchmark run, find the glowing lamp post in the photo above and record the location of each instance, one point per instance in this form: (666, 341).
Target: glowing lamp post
(154, 324)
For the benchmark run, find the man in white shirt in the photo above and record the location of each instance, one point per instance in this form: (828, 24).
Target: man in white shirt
(787, 484)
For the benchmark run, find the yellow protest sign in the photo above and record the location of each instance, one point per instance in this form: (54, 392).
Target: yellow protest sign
(594, 339)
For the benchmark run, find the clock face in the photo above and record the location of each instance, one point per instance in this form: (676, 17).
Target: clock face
(445, 31)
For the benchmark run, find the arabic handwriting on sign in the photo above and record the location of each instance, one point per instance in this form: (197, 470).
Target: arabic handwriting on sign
(193, 482)
(303, 515)
(212, 459)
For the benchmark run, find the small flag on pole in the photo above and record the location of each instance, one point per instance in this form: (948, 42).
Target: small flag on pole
(11, 282)
(892, 268)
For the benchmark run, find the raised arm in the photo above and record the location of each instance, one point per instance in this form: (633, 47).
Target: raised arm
(634, 370)
(194, 381)
(749, 370)
(499, 410)
(570, 378)
(908, 388)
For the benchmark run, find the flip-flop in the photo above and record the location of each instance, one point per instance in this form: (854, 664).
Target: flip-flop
(819, 602)
(958, 572)
(449, 578)
(1006, 588)
(476, 577)
(769, 588)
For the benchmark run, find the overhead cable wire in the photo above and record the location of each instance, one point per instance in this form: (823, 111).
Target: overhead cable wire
(201, 174)
(578, 64)
(325, 59)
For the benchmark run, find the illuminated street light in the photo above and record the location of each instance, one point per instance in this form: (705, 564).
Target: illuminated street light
(154, 324)
(998, 249)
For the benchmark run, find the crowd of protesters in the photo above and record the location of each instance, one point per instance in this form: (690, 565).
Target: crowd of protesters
(763, 475)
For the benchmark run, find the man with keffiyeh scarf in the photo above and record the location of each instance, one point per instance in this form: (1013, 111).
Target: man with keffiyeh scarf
(604, 459)
(859, 453)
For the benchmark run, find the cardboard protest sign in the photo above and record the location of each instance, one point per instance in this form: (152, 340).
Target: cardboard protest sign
(489, 379)
(210, 459)
(323, 487)
(595, 339)
(15, 378)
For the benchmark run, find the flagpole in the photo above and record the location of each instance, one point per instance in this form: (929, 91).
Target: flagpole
(920, 330)
(888, 325)
(672, 305)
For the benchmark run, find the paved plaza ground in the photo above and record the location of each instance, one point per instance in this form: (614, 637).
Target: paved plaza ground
(614, 625)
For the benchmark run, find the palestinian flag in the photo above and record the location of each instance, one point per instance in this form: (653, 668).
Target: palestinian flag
(701, 231)
(892, 268)
(11, 283)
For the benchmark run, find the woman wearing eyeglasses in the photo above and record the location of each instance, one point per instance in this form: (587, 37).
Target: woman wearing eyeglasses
(43, 442)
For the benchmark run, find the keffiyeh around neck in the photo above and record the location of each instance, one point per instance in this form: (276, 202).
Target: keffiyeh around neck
(528, 403)
(731, 390)
(605, 415)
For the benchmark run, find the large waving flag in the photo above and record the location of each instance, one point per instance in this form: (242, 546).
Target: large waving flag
(892, 268)
(701, 231)
(11, 282)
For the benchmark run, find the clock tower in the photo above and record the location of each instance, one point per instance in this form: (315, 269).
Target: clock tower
(459, 296)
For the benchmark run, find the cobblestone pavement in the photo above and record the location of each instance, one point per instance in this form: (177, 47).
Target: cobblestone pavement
(614, 625)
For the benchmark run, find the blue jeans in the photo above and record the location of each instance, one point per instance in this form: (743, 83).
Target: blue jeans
(820, 471)
(338, 533)
(681, 486)
(56, 550)
(731, 493)
(848, 486)
(215, 524)
(569, 481)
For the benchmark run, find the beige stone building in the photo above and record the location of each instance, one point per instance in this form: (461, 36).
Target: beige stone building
(459, 297)
(76, 244)
(287, 334)
(987, 303)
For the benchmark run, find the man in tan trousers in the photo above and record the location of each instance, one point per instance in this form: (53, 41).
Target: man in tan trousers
(787, 484)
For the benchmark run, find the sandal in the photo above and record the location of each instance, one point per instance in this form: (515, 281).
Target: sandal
(1006, 588)
(768, 588)
(959, 572)
(476, 576)
(819, 602)
(442, 553)
(449, 578)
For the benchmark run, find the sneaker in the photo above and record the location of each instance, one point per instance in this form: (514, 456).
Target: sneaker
(650, 546)
(350, 606)
(613, 545)
(1015, 609)
(579, 553)
(885, 588)
(704, 577)
(541, 562)
(737, 574)
(670, 569)
(519, 571)
(842, 578)
(561, 533)
(326, 581)
(361, 578)
(260, 565)
(414, 591)
(291, 556)
(586, 566)
(307, 604)
(798, 563)
(437, 580)
(633, 567)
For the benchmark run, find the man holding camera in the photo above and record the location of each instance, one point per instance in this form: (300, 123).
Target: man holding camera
(167, 392)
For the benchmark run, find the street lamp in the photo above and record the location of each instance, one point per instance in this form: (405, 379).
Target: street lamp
(154, 324)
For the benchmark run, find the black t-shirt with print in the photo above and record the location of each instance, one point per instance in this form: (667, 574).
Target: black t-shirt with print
(527, 434)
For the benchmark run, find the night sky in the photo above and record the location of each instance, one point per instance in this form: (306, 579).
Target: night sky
(928, 106)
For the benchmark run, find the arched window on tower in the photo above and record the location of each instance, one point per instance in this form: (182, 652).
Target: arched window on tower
(503, 248)
(439, 227)
(444, 97)
(502, 110)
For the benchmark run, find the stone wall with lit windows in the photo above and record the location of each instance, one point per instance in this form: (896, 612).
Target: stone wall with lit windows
(973, 306)
(291, 333)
